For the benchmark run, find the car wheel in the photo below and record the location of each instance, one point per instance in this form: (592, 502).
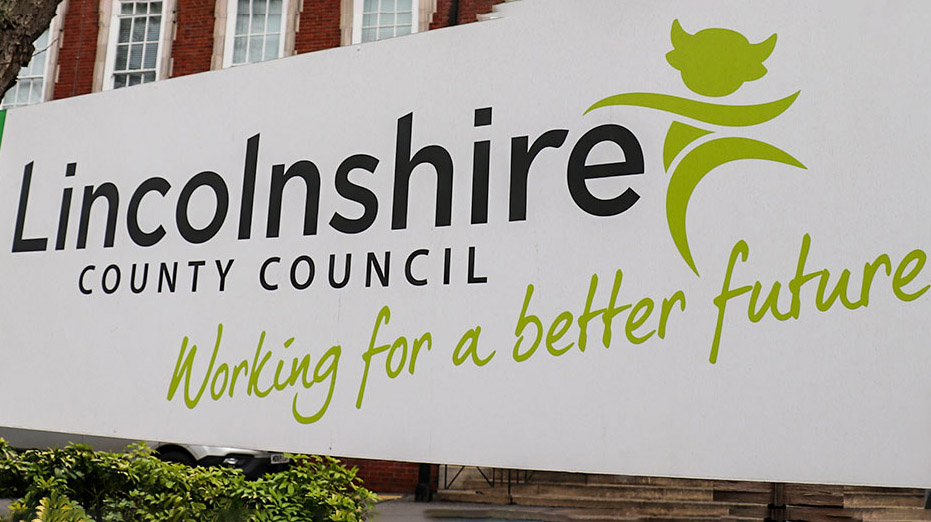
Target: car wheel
(174, 455)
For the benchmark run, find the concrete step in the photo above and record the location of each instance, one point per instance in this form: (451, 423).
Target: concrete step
(890, 499)
(618, 491)
(594, 515)
(819, 514)
(495, 496)
(614, 491)
(493, 513)
(634, 507)
(743, 492)
(893, 514)
(617, 507)
(606, 498)
(471, 478)
(552, 477)
(813, 495)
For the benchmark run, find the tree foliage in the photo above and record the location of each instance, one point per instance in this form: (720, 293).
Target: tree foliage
(21, 22)
(77, 484)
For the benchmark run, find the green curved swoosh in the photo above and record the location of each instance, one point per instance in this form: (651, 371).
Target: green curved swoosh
(726, 115)
(2, 122)
(698, 163)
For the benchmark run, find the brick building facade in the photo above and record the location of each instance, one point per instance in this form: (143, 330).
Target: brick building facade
(96, 45)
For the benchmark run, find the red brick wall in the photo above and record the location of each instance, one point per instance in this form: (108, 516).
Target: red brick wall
(468, 11)
(78, 49)
(384, 476)
(193, 46)
(319, 26)
(441, 16)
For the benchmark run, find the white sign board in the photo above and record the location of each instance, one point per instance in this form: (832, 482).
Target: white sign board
(659, 238)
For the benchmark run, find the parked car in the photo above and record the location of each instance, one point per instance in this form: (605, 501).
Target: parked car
(253, 463)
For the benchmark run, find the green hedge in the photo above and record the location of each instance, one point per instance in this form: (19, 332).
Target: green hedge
(77, 484)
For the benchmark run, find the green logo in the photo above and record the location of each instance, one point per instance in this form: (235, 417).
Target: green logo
(2, 122)
(713, 62)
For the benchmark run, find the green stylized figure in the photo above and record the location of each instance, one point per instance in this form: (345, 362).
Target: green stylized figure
(713, 62)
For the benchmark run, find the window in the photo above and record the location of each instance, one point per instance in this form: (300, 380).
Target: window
(30, 84)
(136, 34)
(380, 19)
(255, 31)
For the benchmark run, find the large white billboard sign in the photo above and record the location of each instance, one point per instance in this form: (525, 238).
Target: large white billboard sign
(662, 238)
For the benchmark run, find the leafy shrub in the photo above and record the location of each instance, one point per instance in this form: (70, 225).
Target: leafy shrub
(77, 484)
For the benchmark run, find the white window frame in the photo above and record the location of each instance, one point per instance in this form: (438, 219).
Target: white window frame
(417, 6)
(163, 54)
(51, 60)
(285, 39)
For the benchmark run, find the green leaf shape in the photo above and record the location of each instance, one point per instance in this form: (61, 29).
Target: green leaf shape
(678, 137)
(2, 123)
(713, 113)
(696, 165)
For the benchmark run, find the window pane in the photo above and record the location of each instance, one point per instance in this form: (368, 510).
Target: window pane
(404, 5)
(151, 53)
(387, 20)
(274, 7)
(27, 70)
(126, 25)
(122, 54)
(368, 35)
(138, 29)
(30, 82)
(258, 7)
(135, 57)
(385, 32)
(404, 19)
(155, 23)
(274, 23)
(242, 23)
(258, 24)
(255, 49)
(403, 30)
(42, 41)
(22, 93)
(137, 43)
(239, 49)
(37, 85)
(12, 97)
(387, 6)
(371, 6)
(271, 47)
(37, 64)
(9, 100)
(369, 20)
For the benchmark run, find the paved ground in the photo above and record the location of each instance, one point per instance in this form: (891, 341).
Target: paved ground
(404, 509)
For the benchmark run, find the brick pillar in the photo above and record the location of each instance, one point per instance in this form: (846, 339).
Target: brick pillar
(193, 45)
(78, 49)
(441, 16)
(385, 476)
(470, 9)
(318, 27)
